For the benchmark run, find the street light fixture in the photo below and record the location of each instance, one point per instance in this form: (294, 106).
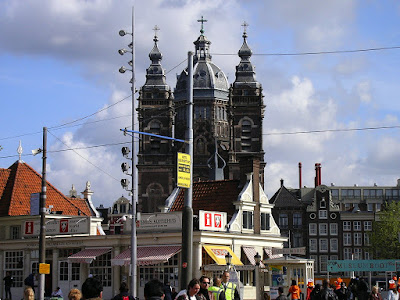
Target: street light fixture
(125, 152)
(228, 259)
(257, 259)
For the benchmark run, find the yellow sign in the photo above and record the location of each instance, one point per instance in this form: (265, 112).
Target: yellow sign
(183, 170)
(44, 268)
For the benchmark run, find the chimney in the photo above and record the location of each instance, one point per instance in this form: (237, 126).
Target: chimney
(300, 183)
(281, 182)
(319, 174)
(316, 175)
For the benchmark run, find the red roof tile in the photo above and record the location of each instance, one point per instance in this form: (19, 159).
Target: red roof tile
(216, 195)
(19, 181)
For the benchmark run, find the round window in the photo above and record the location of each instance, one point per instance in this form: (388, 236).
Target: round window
(333, 216)
(313, 216)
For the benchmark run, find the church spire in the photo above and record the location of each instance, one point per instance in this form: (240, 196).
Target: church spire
(245, 72)
(202, 45)
(155, 73)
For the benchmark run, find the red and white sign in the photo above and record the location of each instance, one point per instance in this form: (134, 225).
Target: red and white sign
(212, 220)
(63, 226)
(29, 227)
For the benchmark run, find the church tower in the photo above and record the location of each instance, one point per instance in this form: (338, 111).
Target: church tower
(156, 157)
(246, 115)
(211, 101)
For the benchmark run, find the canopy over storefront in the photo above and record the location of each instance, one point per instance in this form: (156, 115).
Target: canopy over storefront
(146, 255)
(217, 253)
(88, 255)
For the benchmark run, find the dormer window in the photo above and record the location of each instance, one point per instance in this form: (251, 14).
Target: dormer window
(322, 203)
(247, 220)
(122, 208)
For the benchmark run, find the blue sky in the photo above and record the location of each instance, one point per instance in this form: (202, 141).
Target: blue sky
(59, 63)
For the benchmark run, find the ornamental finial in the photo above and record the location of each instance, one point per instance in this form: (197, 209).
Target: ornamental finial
(202, 21)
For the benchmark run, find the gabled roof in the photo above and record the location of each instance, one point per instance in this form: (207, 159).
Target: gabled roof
(20, 180)
(217, 195)
(284, 198)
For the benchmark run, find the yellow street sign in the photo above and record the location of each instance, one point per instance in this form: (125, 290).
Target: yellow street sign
(183, 170)
(44, 268)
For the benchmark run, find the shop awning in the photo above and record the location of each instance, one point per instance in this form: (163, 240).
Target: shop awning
(146, 255)
(268, 252)
(218, 253)
(250, 253)
(88, 255)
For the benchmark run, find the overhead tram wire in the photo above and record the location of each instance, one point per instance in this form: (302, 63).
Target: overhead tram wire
(97, 167)
(316, 53)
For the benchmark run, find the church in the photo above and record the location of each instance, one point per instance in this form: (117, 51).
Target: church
(227, 122)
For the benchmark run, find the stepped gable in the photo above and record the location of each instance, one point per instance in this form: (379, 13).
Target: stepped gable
(284, 198)
(217, 195)
(20, 180)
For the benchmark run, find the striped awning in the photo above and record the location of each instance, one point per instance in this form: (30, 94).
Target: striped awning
(88, 255)
(250, 252)
(146, 255)
(268, 252)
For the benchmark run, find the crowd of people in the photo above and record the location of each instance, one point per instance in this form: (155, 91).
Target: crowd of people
(221, 288)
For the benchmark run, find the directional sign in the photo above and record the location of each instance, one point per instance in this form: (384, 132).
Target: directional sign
(183, 170)
(379, 265)
(300, 250)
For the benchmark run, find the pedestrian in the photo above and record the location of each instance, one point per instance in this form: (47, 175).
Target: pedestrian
(316, 292)
(191, 292)
(123, 293)
(310, 287)
(327, 293)
(154, 290)
(218, 293)
(393, 294)
(57, 293)
(8, 282)
(230, 288)
(173, 293)
(167, 291)
(375, 295)
(341, 292)
(30, 281)
(92, 288)
(29, 293)
(362, 289)
(294, 291)
(204, 293)
(281, 294)
(74, 294)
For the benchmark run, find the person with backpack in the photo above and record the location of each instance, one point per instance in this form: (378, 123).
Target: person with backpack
(123, 293)
(327, 293)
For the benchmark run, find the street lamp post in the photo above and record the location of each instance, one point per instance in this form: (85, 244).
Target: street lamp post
(228, 259)
(257, 259)
(134, 176)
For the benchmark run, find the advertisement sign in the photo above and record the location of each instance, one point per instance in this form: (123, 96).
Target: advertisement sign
(378, 265)
(212, 220)
(183, 170)
(159, 222)
(58, 226)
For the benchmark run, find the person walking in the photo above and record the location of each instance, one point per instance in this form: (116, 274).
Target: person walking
(294, 291)
(281, 294)
(123, 293)
(230, 289)
(74, 294)
(30, 281)
(191, 292)
(29, 294)
(327, 293)
(92, 288)
(375, 295)
(341, 292)
(204, 293)
(167, 291)
(316, 292)
(154, 290)
(217, 292)
(393, 294)
(310, 288)
(8, 282)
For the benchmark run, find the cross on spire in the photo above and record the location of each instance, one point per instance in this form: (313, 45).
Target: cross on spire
(245, 25)
(156, 29)
(202, 21)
